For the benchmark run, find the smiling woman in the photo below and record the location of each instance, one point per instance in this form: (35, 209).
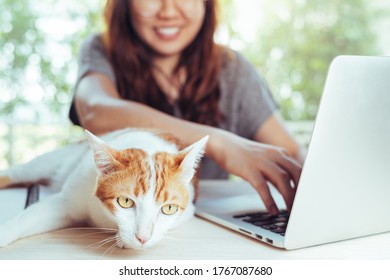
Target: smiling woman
(157, 66)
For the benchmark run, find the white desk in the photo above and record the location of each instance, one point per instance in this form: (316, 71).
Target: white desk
(196, 239)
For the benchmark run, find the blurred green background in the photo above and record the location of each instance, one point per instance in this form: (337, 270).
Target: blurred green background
(290, 42)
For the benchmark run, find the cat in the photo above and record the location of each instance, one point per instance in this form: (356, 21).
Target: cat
(136, 181)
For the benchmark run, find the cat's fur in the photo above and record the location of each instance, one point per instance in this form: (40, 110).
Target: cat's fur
(139, 165)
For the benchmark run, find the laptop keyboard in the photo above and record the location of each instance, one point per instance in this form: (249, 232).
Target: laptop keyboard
(276, 224)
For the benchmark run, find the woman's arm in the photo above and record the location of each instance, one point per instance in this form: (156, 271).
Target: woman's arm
(101, 110)
(274, 132)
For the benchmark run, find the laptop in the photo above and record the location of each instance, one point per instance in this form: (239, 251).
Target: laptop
(344, 189)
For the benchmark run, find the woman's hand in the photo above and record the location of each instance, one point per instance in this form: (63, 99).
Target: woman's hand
(257, 164)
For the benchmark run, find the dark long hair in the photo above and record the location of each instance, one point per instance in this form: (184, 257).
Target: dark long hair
(132, 61)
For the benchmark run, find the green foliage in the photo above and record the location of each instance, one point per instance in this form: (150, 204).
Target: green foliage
(296, 41)
(38, 49)
(299, 40)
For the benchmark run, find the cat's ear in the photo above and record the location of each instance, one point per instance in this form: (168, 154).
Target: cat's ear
(103, 154)
(191, 158)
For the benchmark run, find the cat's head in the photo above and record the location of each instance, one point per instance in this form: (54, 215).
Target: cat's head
(146, 194)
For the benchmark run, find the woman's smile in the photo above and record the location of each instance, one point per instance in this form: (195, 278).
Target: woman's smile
(168, 32)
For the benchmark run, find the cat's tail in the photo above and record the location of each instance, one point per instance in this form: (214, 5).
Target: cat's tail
(44, 169)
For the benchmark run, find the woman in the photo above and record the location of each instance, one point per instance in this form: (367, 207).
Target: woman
(157, 66)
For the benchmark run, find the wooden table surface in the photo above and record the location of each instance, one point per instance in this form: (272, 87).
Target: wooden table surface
(197, 239)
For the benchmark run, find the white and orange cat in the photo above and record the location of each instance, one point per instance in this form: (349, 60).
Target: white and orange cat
(134, 181)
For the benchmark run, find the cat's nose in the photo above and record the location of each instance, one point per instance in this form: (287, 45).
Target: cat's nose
(142, 239)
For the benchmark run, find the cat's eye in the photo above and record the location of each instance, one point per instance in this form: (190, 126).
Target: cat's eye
(169, 209)
(125, 202)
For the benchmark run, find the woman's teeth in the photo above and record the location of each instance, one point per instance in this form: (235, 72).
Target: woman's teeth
(168, 31)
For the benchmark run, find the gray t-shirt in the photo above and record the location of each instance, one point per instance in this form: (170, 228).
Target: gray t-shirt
(245, 99)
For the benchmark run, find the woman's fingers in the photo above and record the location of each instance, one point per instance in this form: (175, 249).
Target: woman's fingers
(282, 181)
(280, 170)
(260, 184)
(291, 166)
(258, 164)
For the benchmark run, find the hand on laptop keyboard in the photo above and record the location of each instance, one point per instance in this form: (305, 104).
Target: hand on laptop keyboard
(258, 164)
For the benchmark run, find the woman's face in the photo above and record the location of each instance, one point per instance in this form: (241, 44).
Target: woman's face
(167, 26)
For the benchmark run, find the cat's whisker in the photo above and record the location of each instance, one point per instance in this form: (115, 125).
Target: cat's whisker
(99, 244)
(108, 251)
(88, 228)
(114, 247)
(96, 233)
(95, 230)
(110, 238)
(70, 229)
(103, 242)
